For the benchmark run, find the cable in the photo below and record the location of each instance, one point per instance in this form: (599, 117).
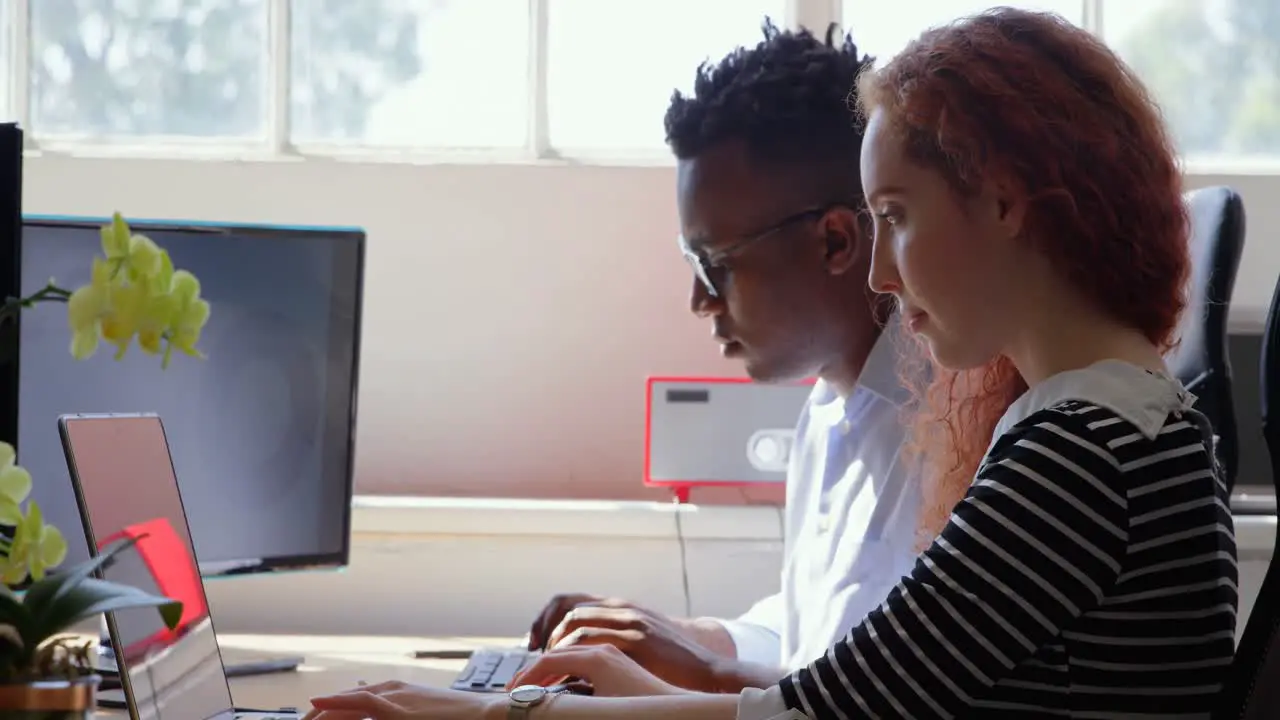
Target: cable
(155, 691)
(684, 565)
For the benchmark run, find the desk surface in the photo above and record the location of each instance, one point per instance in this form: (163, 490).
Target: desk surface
(333, 663)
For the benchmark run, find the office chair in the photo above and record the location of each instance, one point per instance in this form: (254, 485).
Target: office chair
(1200, 360)
(1252, 690)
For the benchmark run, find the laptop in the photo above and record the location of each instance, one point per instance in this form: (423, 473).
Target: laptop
(126, 487)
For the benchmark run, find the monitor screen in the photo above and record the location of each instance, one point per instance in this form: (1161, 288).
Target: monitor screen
(128, 490)
(261, 429)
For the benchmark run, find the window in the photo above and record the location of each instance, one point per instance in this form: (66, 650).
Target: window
(590, 79)
(177, 68)
(881, 31)
(415, 73)
(1212, 66)
(7, 104)
(612, 66)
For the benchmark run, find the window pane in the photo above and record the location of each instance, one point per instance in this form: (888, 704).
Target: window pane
(612, 66)
(1212, 65)
(437, 73)
(147, 67)
(6, 71)
(882, 32)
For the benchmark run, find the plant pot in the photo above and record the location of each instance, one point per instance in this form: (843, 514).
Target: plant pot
(50, 699)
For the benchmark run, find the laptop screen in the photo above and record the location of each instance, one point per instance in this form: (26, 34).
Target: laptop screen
(126, 487)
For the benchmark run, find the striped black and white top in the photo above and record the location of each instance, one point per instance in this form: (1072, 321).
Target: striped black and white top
(1090, 572)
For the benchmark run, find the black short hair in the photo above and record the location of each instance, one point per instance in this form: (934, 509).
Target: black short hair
(790, 99)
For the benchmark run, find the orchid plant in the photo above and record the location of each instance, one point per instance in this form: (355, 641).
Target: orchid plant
(134, 293)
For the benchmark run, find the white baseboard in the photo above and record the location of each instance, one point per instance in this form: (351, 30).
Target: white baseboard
(449, 566)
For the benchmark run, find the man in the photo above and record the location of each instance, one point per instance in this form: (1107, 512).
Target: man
(770, 206)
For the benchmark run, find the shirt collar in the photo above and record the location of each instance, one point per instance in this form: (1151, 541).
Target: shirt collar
(879, 376)
(880, 372)
(1143, 398)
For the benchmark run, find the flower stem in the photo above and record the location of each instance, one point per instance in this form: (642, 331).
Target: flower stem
(49, 293)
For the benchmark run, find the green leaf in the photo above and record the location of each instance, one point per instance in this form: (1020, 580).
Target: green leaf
(42, 595)
(92, 596)
(12, 652)
(12, 611)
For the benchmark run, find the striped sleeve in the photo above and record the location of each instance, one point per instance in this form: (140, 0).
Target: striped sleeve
(1032, 546)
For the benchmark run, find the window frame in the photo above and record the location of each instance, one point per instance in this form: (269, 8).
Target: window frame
(277, 145)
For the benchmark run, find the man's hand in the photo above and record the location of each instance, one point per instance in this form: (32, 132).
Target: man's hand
(559, 606)
(662, 646)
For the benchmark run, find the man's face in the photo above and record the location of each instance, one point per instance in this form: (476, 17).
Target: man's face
(762, 245)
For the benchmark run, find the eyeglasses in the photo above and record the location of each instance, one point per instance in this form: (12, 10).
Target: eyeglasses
(705, 264)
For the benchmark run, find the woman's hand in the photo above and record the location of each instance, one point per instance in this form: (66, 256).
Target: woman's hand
(608, 671)
(401, 701)
(604, 667)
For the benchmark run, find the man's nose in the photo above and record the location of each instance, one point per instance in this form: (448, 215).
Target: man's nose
(701, 302)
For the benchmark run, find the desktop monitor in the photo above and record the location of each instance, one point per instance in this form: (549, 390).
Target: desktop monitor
(262, 430)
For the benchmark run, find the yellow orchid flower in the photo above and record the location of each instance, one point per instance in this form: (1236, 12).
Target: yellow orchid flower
(123, 316)
(15, 486)
(34, 548)
(152, 320)
(136, 292)
(136, 256)
(187, 317)
(115, 238)
(88, 308)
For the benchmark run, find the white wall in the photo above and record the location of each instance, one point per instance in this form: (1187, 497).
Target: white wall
(484, 569)
(511, 312)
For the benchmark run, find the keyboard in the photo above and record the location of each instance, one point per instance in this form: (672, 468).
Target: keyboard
(492, 669)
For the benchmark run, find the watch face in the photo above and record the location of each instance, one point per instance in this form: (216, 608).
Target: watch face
(528, 693)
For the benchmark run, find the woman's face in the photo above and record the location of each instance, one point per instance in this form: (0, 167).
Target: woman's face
(949, 260)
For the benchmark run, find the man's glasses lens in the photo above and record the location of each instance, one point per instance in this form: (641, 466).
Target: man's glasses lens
(702, 272)
(699, 266)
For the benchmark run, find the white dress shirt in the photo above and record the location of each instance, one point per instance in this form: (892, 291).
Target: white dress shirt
(850, 521)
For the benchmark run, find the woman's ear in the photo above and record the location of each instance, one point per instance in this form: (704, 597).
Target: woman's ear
(1009, 206)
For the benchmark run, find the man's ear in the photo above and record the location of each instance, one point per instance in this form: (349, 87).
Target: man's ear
(845, 240)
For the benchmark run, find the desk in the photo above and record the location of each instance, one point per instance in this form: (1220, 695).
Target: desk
(333, 663)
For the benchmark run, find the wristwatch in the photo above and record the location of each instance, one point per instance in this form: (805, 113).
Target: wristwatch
(526, 697)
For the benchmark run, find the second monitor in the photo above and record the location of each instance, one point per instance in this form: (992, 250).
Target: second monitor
(262, 430)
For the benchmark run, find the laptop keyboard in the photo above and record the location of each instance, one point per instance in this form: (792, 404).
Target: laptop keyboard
(492, 669)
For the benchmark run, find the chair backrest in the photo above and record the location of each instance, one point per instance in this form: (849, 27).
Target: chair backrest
(1253, 688)
(1200, 360)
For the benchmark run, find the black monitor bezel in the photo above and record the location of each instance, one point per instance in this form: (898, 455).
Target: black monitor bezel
(11, 147)
(247, 566)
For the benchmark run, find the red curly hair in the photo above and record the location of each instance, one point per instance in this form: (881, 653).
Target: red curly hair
(1049, 107)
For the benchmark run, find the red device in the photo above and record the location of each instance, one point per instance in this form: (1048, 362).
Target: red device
(681, 488)
(174, 571)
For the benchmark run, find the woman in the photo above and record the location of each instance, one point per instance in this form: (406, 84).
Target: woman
(1028, 219)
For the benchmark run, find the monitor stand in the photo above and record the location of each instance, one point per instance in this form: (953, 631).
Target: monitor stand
(105, 664)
